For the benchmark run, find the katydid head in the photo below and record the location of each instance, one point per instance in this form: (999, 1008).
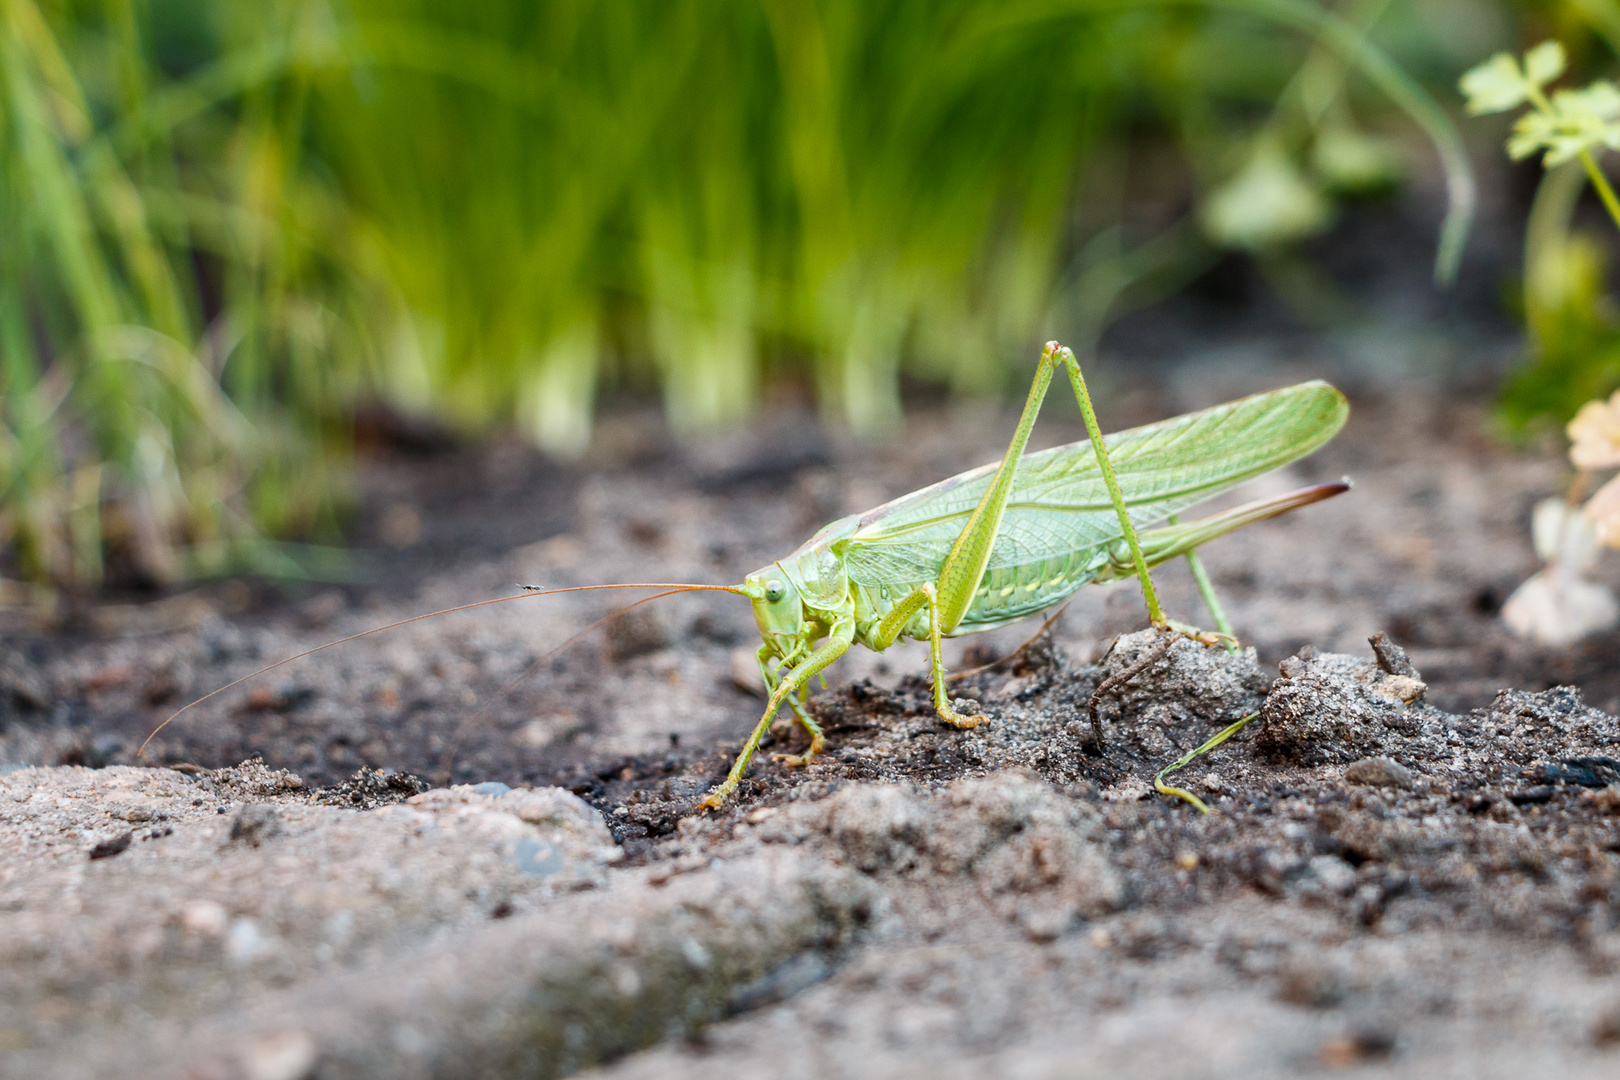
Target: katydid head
(778, 608)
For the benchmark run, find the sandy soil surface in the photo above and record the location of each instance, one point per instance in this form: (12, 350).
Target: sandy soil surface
(1408, 872)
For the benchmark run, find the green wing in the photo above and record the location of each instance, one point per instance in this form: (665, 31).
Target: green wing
(1059, 505)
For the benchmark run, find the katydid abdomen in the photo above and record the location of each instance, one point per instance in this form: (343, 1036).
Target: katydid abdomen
(1059, 531)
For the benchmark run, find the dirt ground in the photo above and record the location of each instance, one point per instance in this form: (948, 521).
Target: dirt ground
(1413, 867)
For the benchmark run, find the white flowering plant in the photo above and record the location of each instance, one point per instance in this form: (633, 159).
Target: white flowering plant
(1558, 605)
(1562, 125)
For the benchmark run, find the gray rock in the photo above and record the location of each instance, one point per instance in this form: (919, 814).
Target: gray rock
(1379, 772)
(1032, 854)
(185, 924)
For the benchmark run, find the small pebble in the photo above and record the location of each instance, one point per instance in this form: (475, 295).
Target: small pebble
(1380, 772)
(1392, 659)
(244, 941)
(1606, 1029)
(1403, 688)
(537, 857)
(289, 1055)
(493, 788)
(108, 848)
(1310, 981)
(1356, 1048)
(205, 918)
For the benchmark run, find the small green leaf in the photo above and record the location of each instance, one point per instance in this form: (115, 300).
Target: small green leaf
(1351, 162)
(1577, 120)
(1544, 63)
(1495, 86)
(1268, 204)
(1532, 133)
(1599, 102)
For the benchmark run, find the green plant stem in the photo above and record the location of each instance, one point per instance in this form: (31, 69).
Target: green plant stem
(1601, 183)
(1221, 736)
(1350, 43)
(1539, 101)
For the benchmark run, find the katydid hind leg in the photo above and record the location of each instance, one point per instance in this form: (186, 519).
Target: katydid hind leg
(964, 567)
(1100, 448)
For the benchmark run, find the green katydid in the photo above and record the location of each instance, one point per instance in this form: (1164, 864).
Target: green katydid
(999, 543)
(1004, 541)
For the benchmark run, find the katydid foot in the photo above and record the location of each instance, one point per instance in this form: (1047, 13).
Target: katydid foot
(817, 742)
(949, 714)
(717, 798)
(1210, 638)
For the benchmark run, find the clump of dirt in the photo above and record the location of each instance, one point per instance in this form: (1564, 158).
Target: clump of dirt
(368, 789)
(1350, 792)
(1036, 857)
(1336, 708)
(245, 782)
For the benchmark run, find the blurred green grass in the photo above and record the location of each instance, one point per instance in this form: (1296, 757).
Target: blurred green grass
(227, 224)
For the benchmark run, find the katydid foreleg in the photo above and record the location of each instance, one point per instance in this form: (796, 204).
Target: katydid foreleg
(836, 645)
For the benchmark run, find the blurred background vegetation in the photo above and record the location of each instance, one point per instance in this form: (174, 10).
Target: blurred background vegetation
(225, 227)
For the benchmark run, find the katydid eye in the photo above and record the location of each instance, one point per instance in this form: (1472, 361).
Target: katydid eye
(774, 591)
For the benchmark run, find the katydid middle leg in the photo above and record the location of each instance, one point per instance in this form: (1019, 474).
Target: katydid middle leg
(949, 598)
(888, 630)
(1206, 589)
(797, 703)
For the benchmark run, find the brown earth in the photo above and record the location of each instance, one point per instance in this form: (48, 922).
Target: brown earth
(1405, 874)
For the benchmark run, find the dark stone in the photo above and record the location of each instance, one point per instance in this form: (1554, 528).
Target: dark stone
(108, 848)
(1392, 659)
(1592, 772)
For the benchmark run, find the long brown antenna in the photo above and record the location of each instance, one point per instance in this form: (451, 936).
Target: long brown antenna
(448, 759)
(673, 586)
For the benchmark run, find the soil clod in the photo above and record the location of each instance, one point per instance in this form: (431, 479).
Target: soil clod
(256, 823)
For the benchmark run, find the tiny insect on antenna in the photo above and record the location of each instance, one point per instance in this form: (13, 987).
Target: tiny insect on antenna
(672, 588)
